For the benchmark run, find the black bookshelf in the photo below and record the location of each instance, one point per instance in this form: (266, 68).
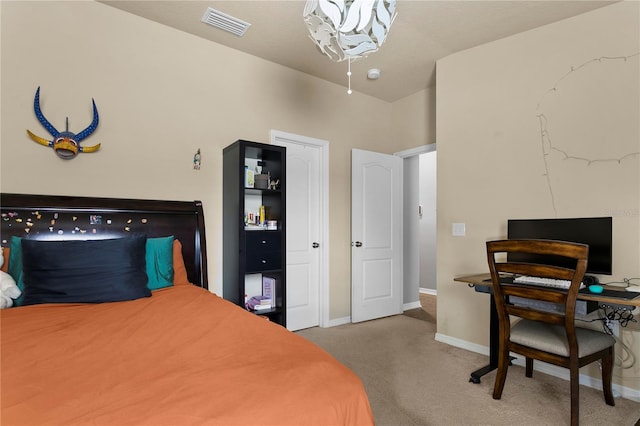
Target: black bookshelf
(253, 250)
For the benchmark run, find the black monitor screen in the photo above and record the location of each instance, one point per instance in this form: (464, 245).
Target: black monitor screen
(594, 231)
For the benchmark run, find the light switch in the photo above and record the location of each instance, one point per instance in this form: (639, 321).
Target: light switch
(458, 229)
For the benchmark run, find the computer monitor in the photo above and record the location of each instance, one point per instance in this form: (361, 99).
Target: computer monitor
(594, 231)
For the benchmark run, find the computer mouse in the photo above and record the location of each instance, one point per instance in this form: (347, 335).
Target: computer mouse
(595, 288)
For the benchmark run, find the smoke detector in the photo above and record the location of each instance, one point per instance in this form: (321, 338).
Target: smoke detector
(225, 22)
(373, 74)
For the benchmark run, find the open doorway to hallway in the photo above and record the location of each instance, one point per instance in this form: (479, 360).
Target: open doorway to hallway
(420, 229)
(427, 221)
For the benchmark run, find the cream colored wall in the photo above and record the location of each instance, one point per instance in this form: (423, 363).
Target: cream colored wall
(569, 89)
(161, 95)
(413, 119)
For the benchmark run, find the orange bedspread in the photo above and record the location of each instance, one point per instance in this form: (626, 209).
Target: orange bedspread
(181, 357)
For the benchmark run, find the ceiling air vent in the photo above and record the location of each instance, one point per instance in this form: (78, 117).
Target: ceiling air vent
(225, 22)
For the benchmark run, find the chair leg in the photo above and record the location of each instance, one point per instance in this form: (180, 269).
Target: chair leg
(529, 367)
(501, 374)
(575, 395)
(607, 370)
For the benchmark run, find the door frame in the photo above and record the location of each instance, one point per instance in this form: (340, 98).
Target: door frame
(278, 137)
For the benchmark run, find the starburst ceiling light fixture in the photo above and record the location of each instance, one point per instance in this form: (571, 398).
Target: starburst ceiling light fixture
(349, 29)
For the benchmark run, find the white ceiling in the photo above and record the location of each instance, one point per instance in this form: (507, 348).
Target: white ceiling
(423, 32)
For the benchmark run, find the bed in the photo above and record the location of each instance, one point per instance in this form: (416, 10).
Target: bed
(174, 354)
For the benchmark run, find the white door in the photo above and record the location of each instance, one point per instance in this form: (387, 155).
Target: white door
(376, 235)
(305, 239)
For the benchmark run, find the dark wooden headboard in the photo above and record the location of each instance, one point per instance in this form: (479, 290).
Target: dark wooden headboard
(54, 217)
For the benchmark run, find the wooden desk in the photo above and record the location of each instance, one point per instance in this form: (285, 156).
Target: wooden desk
(482, 282)
(485, 280)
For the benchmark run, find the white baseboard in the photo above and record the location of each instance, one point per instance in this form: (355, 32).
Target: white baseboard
(416, 304)
(411, 305)
(592, 382)
(563, 373)
(339, 321)
(463, 344)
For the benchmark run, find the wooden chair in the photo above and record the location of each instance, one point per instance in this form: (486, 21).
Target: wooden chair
(546, 336)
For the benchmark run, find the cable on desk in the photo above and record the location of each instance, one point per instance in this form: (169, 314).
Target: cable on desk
(626, 359)
(609, 314)
(622, 315)
(629, 360)
(625, 283)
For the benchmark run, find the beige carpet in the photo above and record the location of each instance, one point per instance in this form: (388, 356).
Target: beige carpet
(413, 380)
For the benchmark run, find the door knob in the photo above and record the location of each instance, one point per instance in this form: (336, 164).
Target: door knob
(315, 245)
(358, 244)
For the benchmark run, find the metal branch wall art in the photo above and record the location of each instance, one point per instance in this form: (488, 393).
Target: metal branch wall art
(65, 144)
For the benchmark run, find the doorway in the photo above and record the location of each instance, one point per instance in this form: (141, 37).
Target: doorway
(419, 224)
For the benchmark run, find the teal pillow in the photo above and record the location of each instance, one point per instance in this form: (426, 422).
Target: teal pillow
(159, 259)
(15, 266)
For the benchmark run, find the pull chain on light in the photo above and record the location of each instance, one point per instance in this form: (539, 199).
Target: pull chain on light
(349, 76)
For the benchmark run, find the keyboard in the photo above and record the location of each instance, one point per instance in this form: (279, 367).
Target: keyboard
(544, 282)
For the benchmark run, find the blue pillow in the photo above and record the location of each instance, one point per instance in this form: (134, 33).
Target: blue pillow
(78, 271)
(159, 260)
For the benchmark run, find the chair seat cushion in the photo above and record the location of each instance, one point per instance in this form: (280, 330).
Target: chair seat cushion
(552, 338)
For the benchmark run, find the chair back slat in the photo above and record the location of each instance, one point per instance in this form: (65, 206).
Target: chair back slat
(549, 247)
(545, 271)
(529, 291)
(536, 315)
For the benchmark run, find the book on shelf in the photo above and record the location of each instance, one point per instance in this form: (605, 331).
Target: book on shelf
(269, 288)
(259, 303)
(249, 179)
(262, 307)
